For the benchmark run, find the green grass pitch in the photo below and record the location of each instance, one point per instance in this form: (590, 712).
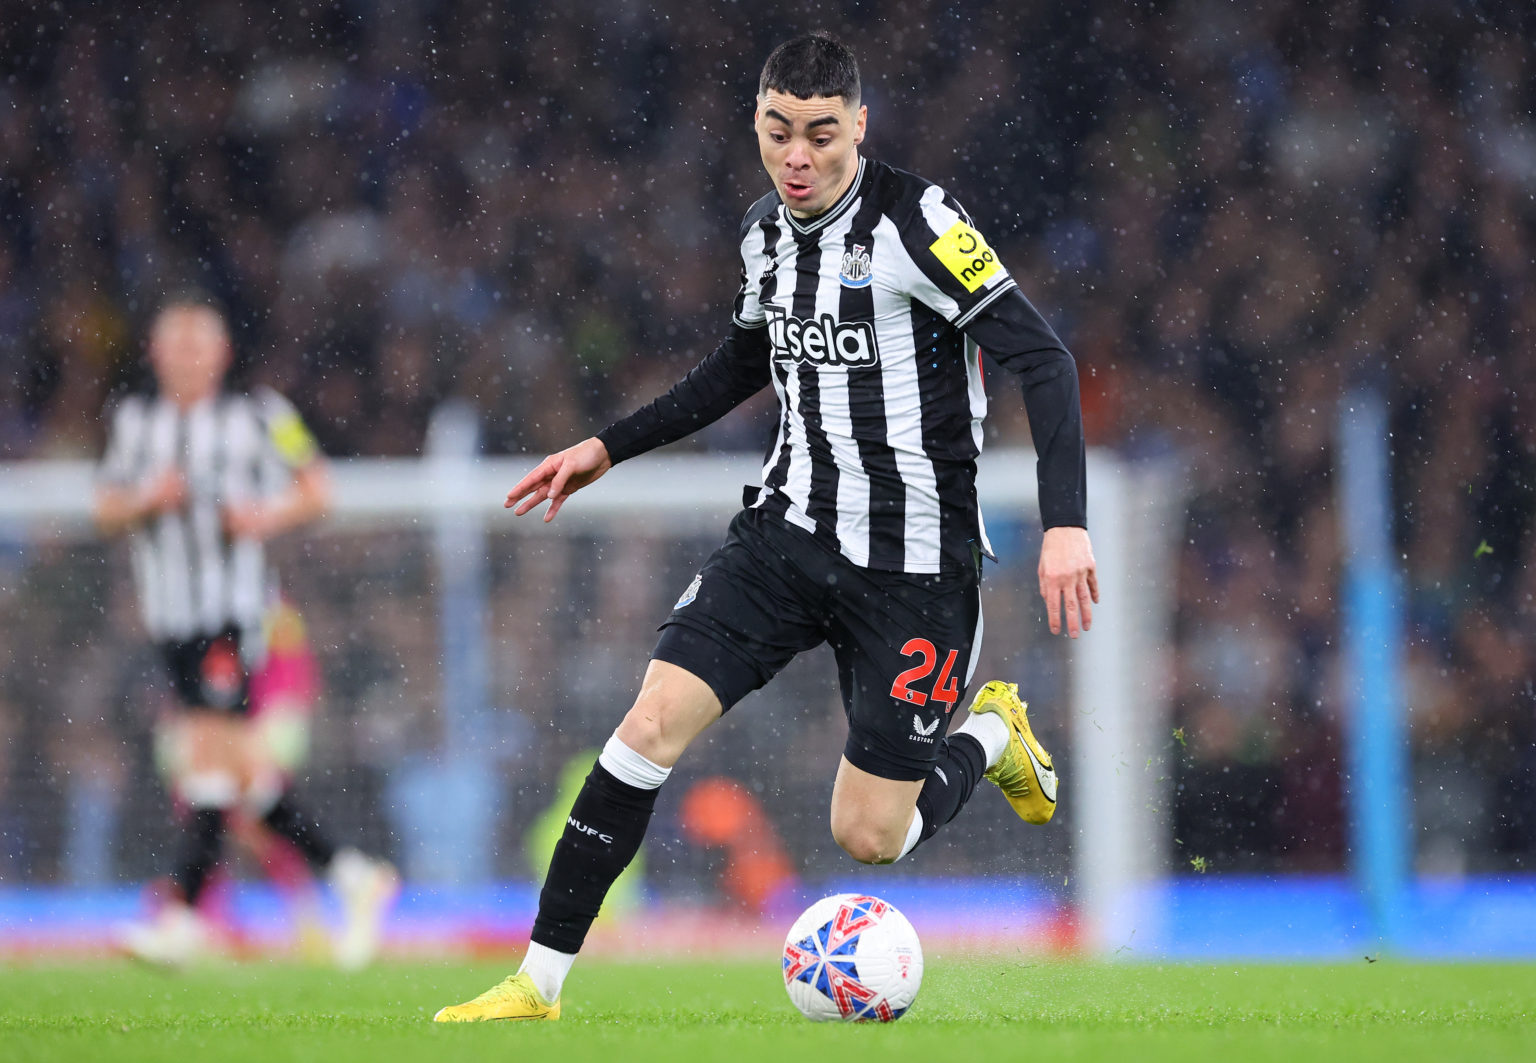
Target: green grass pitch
(1045, 1010)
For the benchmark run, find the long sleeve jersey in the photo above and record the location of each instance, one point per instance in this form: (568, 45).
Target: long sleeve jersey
(868, 321)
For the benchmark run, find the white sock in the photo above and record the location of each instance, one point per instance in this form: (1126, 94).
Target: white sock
(989, 729)
(209, 789)
(914, 833)
(547, 968)
(349, 868)
(262, 793)
(627, 766)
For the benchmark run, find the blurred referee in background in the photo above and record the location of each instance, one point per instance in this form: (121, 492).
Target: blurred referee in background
(199, 477)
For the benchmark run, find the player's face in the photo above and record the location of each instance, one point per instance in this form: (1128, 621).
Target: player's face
(189, 350)
(809, 148)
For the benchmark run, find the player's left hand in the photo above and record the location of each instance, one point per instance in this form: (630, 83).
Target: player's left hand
(1069, 579)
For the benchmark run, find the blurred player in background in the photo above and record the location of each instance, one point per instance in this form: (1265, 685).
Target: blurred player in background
(200, 477)
(866, 294)
(283, 695)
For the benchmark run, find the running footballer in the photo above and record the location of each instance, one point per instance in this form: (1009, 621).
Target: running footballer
(866, 297)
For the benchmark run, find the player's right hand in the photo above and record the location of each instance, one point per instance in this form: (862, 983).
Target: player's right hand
(1069, 579)
(558, 477)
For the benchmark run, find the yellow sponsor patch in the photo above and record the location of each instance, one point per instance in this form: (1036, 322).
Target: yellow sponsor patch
(293, 441)
(966, 255)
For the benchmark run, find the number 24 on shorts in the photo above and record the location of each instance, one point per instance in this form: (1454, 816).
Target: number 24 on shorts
(946, 688)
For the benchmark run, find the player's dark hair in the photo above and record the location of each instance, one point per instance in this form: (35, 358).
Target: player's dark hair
(189, 297)
(817, 64)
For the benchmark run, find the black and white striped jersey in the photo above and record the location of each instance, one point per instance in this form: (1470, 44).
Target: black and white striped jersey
(193, 579)
(867, 321)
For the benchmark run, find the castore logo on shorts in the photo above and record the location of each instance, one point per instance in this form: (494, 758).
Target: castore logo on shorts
(923, 734)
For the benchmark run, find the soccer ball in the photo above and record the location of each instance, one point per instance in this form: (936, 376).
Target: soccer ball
(852, 957)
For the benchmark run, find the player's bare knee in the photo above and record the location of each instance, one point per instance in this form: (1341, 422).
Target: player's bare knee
(644, 729)
(866, 842)
(641, 731)
(669, 713)
(869, 849)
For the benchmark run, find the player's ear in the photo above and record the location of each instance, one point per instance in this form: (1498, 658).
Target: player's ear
(859, 124)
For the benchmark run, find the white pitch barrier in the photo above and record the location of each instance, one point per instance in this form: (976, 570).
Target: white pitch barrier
(1118, 778)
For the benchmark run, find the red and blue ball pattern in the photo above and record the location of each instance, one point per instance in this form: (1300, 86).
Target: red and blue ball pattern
(859, 955)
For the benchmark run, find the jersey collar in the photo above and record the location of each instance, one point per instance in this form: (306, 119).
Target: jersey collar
(832, 213)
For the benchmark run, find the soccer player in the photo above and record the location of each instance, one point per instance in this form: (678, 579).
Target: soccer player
(200, 477)
(866, 293)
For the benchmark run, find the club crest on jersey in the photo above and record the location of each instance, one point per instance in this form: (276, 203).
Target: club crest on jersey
(824, 341)
(691, 593)
(856, 271)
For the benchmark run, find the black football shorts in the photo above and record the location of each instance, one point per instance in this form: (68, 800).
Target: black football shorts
(904, 643)
(210, 672)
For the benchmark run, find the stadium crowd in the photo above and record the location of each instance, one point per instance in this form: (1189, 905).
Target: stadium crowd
(1231, 215)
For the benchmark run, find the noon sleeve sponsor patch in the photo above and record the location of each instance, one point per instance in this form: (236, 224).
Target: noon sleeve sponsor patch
(291, 439)
(966, 255)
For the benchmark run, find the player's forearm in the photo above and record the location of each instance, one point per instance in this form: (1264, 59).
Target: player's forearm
(305, 502)
(1056, 424)
(117, 509)
(734, 372)
(289, 511)
(1018, 338)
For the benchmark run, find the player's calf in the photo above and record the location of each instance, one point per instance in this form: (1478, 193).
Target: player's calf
(602, 834)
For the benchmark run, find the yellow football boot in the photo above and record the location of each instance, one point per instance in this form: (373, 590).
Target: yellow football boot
(1024, 772)
(514, 997)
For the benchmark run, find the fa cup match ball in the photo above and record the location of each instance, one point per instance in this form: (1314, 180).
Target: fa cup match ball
(852, 957)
